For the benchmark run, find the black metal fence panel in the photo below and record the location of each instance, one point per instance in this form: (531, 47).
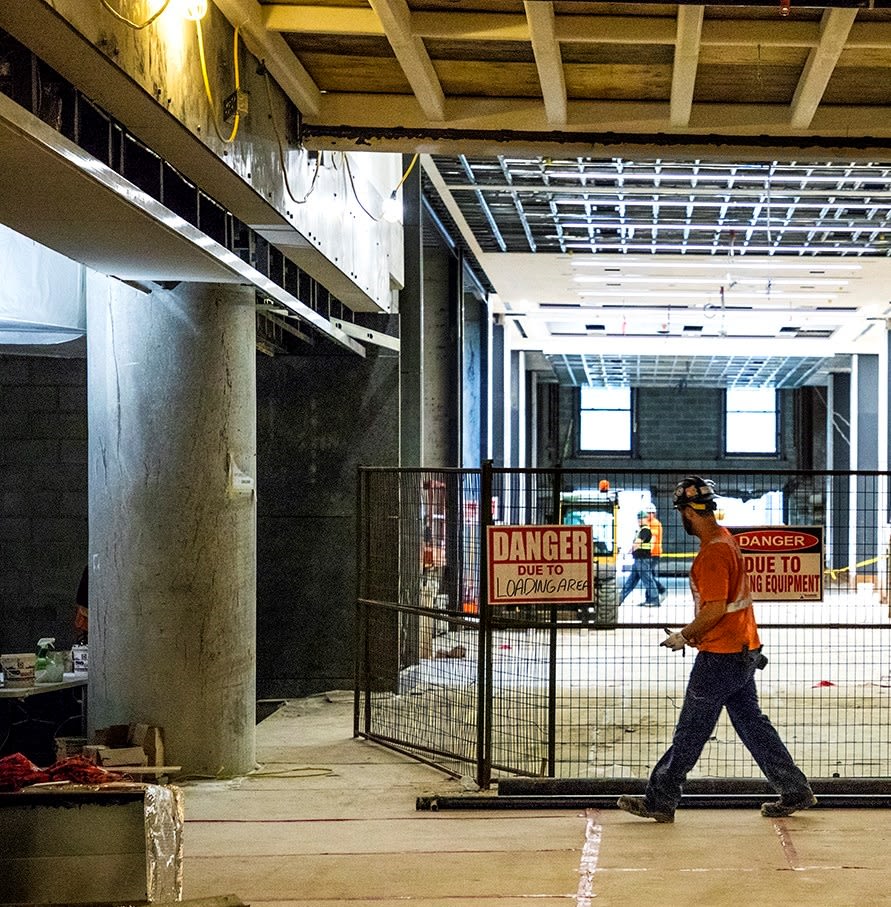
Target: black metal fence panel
(585, 690)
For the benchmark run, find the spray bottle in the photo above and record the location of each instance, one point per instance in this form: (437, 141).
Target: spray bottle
(44, 647)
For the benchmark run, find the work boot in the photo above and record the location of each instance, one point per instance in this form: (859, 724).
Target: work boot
(637, 806)
(781, 807)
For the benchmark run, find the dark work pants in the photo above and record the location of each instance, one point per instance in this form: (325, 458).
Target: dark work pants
(660, 586)
(722, 681)
(641, 572)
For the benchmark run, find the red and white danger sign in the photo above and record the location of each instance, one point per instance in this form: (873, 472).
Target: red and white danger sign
(539, 564)
(784, 563)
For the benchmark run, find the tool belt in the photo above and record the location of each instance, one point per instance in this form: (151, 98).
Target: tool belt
(754, 656)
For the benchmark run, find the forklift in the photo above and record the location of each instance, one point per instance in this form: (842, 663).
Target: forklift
(599, 509)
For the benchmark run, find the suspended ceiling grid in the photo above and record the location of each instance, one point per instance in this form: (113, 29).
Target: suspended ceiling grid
(605, 370)
(593, 260)
(658, 206)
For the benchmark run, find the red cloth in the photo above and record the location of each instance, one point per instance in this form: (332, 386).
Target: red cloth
(17, 772)
(81, 771)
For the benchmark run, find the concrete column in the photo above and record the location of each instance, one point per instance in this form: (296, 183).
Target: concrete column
(515, 409)
(475, 384)
(456, 344)
(442, 356)
(838, 449)
(411, 328)
(172, 461)
(499, 434)
(865, 456)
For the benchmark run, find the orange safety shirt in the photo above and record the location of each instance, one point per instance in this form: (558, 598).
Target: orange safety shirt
(718, 574)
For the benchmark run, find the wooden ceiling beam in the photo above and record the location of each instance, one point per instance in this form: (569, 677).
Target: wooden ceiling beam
(396, 122)
(460, 26)
(324, 20)
(548, 59)
(412, 56)
(686, 60)
(821, 62)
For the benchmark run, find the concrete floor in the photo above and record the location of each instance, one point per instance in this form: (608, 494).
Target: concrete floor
(327, 819)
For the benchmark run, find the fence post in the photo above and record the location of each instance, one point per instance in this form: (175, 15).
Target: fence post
(360, 639)
(484, 640)
(552, 693)
(552, 645)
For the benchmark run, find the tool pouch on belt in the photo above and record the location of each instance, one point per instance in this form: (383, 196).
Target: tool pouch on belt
(755, 656)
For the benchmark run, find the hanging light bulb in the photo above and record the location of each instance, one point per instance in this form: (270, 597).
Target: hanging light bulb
(391, 210)
(194, 10)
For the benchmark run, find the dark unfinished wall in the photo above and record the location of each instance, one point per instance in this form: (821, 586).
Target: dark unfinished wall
(318, 419)
(43, 501)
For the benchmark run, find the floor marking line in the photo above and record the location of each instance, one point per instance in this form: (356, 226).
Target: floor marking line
(589, 859)
(791, 854)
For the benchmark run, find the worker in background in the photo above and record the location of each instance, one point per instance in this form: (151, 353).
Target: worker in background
(642, 565)
(81, 609)
(655, 526)
(723, 674)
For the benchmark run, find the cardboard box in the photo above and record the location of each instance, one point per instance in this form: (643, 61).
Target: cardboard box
(121, 756)
(115, 756)
(91, 752)
(151, 739)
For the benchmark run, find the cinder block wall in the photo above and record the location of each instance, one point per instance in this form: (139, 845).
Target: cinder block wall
(678, 428)
(43, 497)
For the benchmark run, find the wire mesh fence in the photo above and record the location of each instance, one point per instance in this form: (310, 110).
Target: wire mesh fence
(583, 690)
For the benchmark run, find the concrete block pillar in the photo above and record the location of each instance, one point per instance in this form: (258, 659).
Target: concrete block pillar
(866, 542)
(838, 511)
(172, 460)
(412, 450)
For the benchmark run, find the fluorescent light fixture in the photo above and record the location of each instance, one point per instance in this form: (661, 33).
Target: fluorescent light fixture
(708, 281)
(711, 297)
(722, 263)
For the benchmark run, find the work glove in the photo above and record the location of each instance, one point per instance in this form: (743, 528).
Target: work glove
(674, 641)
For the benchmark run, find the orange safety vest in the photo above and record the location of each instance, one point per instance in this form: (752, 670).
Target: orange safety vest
(655, 527)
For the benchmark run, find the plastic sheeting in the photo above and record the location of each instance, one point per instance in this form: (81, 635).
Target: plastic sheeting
(42, 298)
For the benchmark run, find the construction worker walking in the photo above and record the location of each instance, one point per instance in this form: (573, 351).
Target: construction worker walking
(724, 631)
(642, 565)
(655, 526)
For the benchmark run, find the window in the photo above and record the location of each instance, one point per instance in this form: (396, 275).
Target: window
(750, 420)
(605, 419)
